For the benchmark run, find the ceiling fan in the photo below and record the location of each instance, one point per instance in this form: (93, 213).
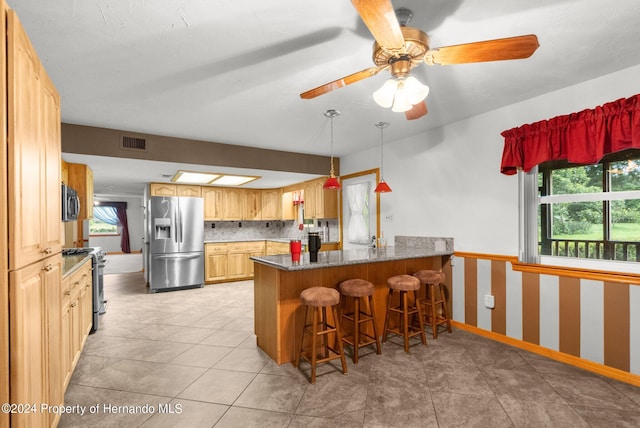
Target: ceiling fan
(400, 49)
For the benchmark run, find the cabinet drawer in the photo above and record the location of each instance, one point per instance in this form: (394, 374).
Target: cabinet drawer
(215, 248)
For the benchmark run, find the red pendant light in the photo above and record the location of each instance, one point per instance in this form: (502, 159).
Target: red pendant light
(332, 182)
(382, 186)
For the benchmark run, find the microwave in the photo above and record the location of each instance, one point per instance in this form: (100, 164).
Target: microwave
(70, 204)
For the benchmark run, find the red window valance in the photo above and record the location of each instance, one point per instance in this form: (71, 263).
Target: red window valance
(584, 137)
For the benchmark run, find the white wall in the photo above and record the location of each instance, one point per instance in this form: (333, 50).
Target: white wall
(447, 182)
(111, 244)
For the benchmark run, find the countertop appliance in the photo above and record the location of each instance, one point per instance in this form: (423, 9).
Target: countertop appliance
(314, 246)
(98, 262)
(70, 204)
(176, 240)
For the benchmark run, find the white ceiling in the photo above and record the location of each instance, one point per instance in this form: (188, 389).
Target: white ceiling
(232, 71)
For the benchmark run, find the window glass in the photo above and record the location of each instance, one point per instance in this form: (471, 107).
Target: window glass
(625, 175)
(97, 227)
(580, 179)
(577, 220)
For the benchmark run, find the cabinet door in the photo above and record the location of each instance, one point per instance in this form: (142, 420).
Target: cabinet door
(161, 189)
(28, 342)
(52, 176)
(87, 304)
(26, 150)
(252, 205)
(189, 191)
(271, 204)
(289, 210)
(237, 265)
(215, 267)
(233, 204)
(250, 263)
(327, 202)
(213, 203)
(53, 296)
(66, 355)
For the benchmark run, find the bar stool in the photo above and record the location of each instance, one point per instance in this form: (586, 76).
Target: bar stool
(359, 289)
(431, 279)
(403, 284)
(320, 298)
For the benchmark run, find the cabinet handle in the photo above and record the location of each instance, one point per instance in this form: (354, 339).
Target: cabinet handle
(67, 293)
(48, 250)
(48, 268)
(73, 305)
(75, 283)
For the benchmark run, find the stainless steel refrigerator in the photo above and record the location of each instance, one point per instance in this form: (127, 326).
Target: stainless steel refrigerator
(176, 238)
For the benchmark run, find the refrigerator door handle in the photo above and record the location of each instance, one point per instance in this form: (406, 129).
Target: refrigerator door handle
(175, 222)
(177, 256)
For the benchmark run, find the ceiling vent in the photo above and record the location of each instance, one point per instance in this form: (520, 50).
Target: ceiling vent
(132, 143)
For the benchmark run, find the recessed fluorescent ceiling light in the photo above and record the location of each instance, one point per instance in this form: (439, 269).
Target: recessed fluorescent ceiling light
(211, 178)
(194, 177)
(234, 180)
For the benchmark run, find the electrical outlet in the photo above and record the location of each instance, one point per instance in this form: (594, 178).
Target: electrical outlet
(389, 218)
(489, 301)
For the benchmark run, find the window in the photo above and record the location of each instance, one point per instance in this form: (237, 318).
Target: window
(587, 211)
(104, 221)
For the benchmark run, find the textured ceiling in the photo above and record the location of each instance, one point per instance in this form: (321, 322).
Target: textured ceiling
(232, 71)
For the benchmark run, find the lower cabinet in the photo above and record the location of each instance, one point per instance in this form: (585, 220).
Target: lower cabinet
(231, 261)
(35, 327)
(77, 317)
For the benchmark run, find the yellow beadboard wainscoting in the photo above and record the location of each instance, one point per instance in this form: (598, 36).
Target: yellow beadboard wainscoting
(590, 319)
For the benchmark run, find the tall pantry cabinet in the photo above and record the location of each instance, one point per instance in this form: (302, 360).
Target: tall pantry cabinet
(30, 239)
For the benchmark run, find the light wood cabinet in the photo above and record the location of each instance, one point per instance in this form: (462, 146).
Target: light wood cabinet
(81, 180)
(188, 190)
(271, 204)
(319, 203)
(162, 189)
(76, 316)
(289, 210)
(33, 125)
(233, 204)
(252, 209)
(35, 325)
(275, 247)
(215, 263)
(213, 203)
(230, 261)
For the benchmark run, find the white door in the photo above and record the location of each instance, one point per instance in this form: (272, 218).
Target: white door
(359, 211)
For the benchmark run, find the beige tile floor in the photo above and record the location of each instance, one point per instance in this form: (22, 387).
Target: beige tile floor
(189, 359)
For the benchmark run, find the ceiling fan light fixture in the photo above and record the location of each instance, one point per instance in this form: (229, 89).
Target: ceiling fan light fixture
(401, 101)
(384, 96)
(416, 91)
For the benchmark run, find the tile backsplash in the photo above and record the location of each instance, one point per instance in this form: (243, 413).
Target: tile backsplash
(271, 229)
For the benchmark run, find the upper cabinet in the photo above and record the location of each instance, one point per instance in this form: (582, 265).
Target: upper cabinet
(271, 204)
(233, 204)
(213, 203)
(188, 190)
(33, 137)
(252, 204)
(81, 180)
(162, 189)
(319, 203)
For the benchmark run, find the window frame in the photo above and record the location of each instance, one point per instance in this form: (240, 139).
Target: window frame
(534, 198)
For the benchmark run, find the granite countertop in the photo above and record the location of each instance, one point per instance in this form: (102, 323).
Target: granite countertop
(347, 257)
(71, 262)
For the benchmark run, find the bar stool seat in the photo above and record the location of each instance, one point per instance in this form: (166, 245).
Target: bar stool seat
(319, 299)
(433, 279)
(404, 284)
(359, 289)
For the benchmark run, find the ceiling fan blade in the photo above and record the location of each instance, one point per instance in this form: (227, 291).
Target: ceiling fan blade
(489, 50)
(344, 81)
(417, 111)
(381, 20)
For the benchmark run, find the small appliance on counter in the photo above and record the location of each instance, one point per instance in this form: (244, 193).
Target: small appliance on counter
(314, 246)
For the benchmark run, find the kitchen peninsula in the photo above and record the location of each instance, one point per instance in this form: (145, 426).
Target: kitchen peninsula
(278, 283)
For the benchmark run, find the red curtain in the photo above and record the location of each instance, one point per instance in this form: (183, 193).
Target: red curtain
(583, 138)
